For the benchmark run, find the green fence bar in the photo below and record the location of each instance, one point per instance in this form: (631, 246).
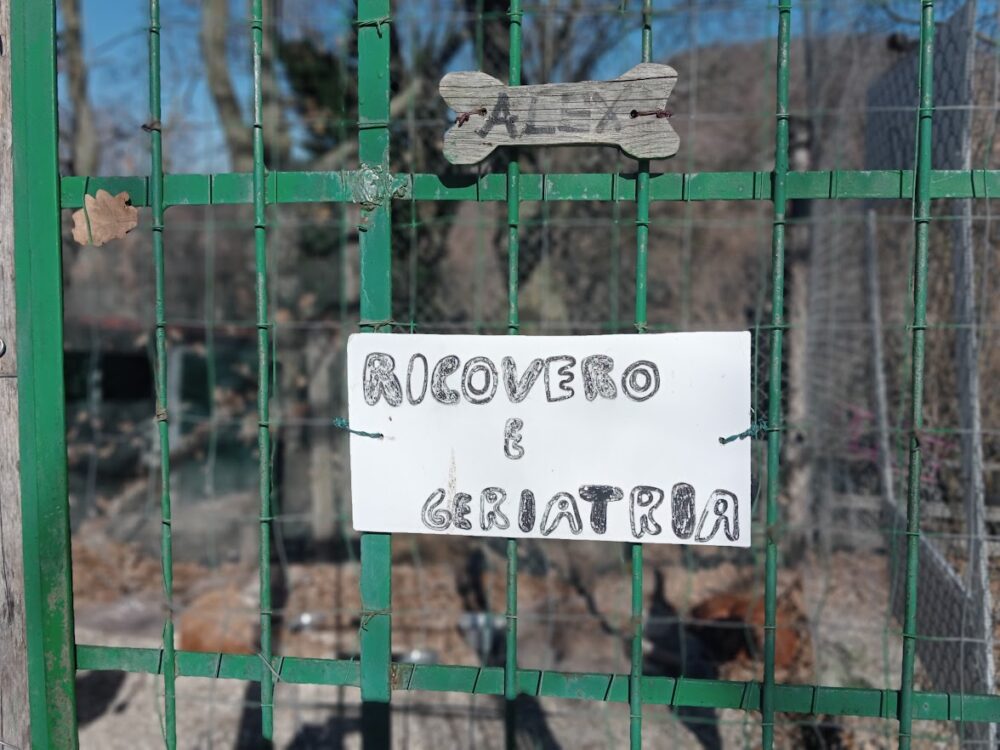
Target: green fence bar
(341, 187)
(921, 221)
(48, 588)
(376, 305)
(160, 371)
(774, 410)
(510, 687)
(807, 700)
(263, 376)
(641, 321)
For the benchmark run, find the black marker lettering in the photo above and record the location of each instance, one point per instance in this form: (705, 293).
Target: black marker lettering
(460, 509)
(600, 495)
(409, 380)
(490, 514)
(642, 502)
(472, 393)
(565, 375)
(595, 377)
(565, 506)
(379, 378)
(517, 390)
(682, 510)
(526, 511)
(641, 380)
(439, 389)
(512, 447)
(433, 515)
(724, 507)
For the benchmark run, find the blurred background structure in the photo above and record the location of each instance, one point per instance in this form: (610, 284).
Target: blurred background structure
(846, 380)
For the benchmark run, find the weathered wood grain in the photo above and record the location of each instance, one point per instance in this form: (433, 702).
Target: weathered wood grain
(14, 726)
(628, 112)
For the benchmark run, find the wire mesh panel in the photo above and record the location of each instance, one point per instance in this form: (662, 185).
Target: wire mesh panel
(296, 191)
(854, 384)
(959, 609)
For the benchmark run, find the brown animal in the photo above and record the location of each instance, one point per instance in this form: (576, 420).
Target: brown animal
(219, 621)
(719, 617)
(732, 627)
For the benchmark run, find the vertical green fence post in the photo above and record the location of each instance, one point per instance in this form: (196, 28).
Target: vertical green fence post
(263, 375)
(376, 305)
(641, 321)
(774, 410)
(48, 588)
(162, 415)
(513, 327)
(921, 221)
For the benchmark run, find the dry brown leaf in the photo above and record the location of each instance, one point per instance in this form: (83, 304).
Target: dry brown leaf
(103, 218)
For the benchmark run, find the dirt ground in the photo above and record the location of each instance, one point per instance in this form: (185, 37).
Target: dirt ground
(836, 609)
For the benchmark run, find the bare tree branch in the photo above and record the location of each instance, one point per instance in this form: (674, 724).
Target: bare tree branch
(337, 155)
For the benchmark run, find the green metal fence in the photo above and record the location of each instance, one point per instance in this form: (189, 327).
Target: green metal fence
(41, 197)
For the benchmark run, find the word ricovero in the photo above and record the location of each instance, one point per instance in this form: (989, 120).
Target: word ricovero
(478, 380)
(721, 513)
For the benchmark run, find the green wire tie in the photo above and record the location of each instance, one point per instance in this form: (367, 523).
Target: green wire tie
(753, 431)
(341, 424)
(277, 676)
(378, 325)
(369, 614)
(376, 22)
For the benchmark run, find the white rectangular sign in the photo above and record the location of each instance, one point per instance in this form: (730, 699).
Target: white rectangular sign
(562, 437)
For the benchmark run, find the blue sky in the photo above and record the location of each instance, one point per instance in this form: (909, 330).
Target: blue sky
(115, 45)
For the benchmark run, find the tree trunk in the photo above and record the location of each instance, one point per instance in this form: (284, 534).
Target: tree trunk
(85, 152)
(214, 27)
(236, 128)
(324, 464)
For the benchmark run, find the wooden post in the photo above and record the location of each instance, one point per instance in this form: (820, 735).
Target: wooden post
(14, 726)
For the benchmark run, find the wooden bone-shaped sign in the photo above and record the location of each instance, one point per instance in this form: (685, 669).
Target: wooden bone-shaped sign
(628, 112)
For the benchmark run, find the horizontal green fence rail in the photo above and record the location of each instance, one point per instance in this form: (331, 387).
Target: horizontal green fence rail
(348, 186)
(613, 688)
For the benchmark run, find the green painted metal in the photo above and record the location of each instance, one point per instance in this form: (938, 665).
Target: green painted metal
(48, 588)
(263, 375)
(342, 187)
(510, 686)
(808, 700)
(641, 320)
(921, 221)
(774, 395)
(376, 304)
(635, 680)
(160, 370)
